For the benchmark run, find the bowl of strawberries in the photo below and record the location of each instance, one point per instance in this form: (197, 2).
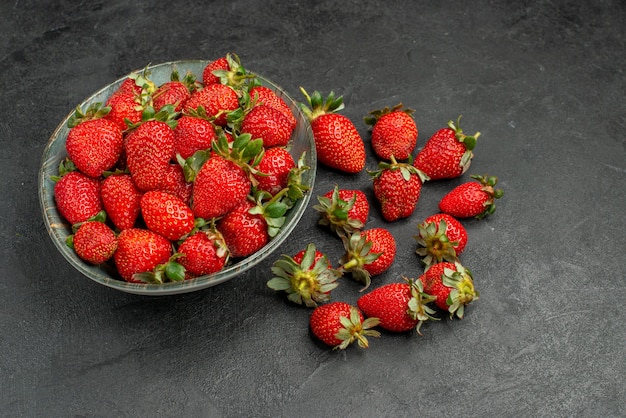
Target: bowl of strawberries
(177, 177)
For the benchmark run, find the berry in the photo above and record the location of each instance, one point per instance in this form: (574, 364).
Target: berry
(166, 214)
(339, 324)
(121, 198)
(394, 132)
(368, 253)
(77, 197)
(202, 253)
(94, 146)
(440, 238)
(472, 199)
(94, 242)
(452, 285)
(344, 210)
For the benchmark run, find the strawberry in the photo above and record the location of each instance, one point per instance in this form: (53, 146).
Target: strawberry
(399, 306)
(447, 154)
(174, 92)
(126, 108)
(204, 252)
(339, 324)
(262, 95)
(394, 132)
(174, 182)
(141, 251)
(307, 278)
(269, 124)
(337, 141)
(149, 148)
(368, 253)
(77, 196)
(94, 242)
(452, 285)
(215, 101)
(207, 74)
(397, 187)
(94, 146)
(166, 214)
(440, 238)
(121, 198)
(343, 210)
(193, 134)
(273, 170)
(472, 199)
(245, 233)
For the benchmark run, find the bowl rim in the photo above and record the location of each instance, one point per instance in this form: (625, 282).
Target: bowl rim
(57, 228)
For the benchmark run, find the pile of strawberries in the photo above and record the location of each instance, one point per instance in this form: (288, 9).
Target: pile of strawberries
(308, 278)
(170, 182)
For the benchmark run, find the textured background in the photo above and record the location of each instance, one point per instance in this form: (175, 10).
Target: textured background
(544, 83)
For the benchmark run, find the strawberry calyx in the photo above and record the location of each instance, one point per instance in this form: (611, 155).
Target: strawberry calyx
(434, 244)
(355, 330)
(358, 254)
(295, 188)
(468, 140)
(488, 183)
(65, 166)
(418, 308)
(334, 212)
(317, 105)
(243, 151)
(273, 210)
(93, 111)
(308, 282)
(375, 115)
(463, 292)
(236, 76)
(171, 271)
(406, 169)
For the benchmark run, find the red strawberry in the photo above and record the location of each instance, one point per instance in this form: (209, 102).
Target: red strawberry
(207, 74)
(149, 149)
(174, 183)
(343, 210)
(94, 146)
(141, 251)
(452, 286)
(174, 93)
(368, 253)
(77, 197)
(307, 278)
(202, 253)
(128, 86)
(262, 95)
(125, 108)
(245, 233)
(269, 124)
(339, 324)
(193, 134)
(397, 186)
(166, 214)
(275, 166)
(216, 101)
(447, 154)
(399, 306)
(472, 199)
(121, 198)
(94, 242)
(440, 238)
(337, 141)
(394, 132)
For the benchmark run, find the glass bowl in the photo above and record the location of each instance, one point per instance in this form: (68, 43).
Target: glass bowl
(59, 229)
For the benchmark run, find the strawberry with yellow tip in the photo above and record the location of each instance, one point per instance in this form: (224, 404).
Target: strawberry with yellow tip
(339, 324)
(452, 285)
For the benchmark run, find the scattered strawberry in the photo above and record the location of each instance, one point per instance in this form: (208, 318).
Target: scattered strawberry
(394, 132)
(452, 286)
(77, 196)
(245, 233)
(397, 187)
(368, 253)
(269, 124)
(344, 210)
(472, 199)
(202, 253)
(273, 170)
(94, 242)
(339, 324)
(399, 306)
(337, 141)
(447, 154)
(120, 198)
(166, 214)
(307, 278)
(94, 146)
(440, 238)
(141, 251)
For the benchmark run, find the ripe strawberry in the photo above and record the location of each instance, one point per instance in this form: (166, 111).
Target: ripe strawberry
(207, 74)
(399, 306)
(275, 166)
(149, 148)
(174, 93)
(339, 324)
(262, 95)
(128, 86)
(216, 101)
(94, 146)
(141, 251)
(166, 214)
(337, 141)
(202, 253)
(447, 154)
(269, 124)
(121, 198)
(397, 187)
(94, 242)
(126, 108)
(307, 278)
(193, 134)
(174, 183)
(472, 199)
(77, 196)
(343, 210)
(394, 132)
(452, 285)
(245, 233)
(440, 238)
(368, 253)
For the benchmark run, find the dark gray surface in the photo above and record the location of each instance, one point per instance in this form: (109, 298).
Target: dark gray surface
(542, 81)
